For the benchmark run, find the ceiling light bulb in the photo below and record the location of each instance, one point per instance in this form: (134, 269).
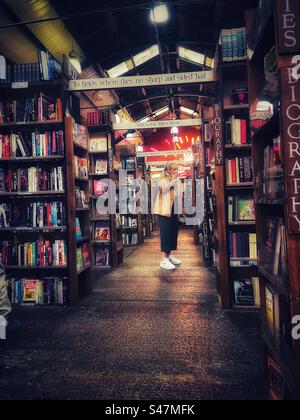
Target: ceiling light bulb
(159, 14)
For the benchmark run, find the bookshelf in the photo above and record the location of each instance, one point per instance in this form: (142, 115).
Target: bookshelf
(277, 231)
(132, 220)
(33, 195)
(204, 233)
(146, 219)
(37, 191)
(78, 198)
(234, 209)
(106, 229)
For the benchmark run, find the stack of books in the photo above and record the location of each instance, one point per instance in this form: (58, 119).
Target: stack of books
(237, 131)
(239, 170)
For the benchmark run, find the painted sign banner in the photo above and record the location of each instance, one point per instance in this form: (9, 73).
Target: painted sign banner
(156, 124)
(290, 96)
(217, 126)
(143, 81)
(288, 26)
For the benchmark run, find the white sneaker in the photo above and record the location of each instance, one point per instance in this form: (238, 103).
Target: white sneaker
(174, 261)
(167, 265)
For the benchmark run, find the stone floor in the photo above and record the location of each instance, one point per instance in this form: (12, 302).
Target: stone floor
(143, 334)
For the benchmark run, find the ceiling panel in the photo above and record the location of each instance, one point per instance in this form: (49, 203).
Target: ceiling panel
(13, 44)
(53, 35)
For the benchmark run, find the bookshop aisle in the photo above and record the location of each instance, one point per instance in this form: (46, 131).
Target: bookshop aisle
(143, 334)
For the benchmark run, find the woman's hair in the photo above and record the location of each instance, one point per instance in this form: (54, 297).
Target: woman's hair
(169, 164)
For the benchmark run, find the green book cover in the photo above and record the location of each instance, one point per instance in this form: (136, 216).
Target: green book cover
(246, 210)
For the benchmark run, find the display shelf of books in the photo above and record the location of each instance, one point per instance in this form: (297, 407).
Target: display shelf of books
(272, 90)
(205, 232)
(131, 222)
(106, 230)
(237, 243)
(33, 198)
(77, 162)
(147, 221)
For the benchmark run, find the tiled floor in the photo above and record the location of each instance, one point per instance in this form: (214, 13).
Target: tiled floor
(143, 334)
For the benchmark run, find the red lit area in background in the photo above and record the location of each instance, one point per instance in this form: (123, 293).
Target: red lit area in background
(162, 141)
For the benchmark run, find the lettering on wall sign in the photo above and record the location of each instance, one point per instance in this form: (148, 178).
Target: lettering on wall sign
(288, 26)
(217, 124)
(291, 139)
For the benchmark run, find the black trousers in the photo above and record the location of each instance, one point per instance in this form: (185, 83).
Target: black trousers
(169, 227)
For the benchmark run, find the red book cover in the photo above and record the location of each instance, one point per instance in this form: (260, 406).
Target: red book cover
(244, 131)
(49, 214)
(54, 151)
(60, 253)
(233, 171)
(235, 245)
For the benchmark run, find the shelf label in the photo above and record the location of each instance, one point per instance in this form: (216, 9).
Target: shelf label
(288, 26)
(174, 79)
(217, 127)
(290, 96)
(19, 85)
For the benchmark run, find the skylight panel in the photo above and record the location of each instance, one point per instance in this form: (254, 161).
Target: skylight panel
(191, 56)
(146, 55)
(118, 70)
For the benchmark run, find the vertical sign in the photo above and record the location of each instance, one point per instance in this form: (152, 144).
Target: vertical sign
(217, 126)
(288, 26)
(290, 96)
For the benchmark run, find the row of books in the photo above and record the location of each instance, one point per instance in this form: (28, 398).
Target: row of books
(130, 239)
(33, 179)
(33, 145)
(237, 131)
(48, 291)
(240, 209)
(98, 118)
(273, 254)
(273, 179)
(83, 257)
(242, 245)
(128, 222)
(50, 68)
(34, 254)
(239, 170)
(46, 69)
(35, 215)
(16, 73)
(81, 167)
(102, 256)
(37, 108)
(234, 44)
(81, 199)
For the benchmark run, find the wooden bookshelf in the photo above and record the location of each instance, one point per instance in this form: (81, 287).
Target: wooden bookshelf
(237, 276)
(80, 273)
(134, 237)
(23, 201)
(280, 287)
(103, 135)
